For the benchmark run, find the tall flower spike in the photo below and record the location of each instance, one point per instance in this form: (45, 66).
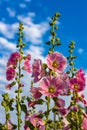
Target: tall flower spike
(54, 40)
(71, 58)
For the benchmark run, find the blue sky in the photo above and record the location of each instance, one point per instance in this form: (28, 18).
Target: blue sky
(35, 14)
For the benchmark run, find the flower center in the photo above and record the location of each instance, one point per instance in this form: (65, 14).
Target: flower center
(76, 86)
(51, 89)
(35, 120)
(55, 64)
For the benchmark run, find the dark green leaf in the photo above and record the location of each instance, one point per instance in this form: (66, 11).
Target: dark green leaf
(24, 108)
(30, 125)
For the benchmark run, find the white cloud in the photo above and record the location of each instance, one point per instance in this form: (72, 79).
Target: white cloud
(11, 12)
(36, 52)
(6, 44)
(22, 5)
(2, 78)
(2, 63)
(80, 50)
(8, 30)
(27, 20)
(33, 32)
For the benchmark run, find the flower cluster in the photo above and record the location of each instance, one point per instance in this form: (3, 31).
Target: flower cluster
(50, 84)
(12, 64)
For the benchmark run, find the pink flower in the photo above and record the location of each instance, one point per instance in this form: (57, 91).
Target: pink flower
(9, 86)
(67, 127)
(65, 83)
(84, 124)
(10, 73)
(56, 61)
(14, 58)
(52, 86)
(80, 75)
(32, 103)
(27, 66)
(21, 85)
(60, 103)
(84, 102)
(77, 84)
(38, 71)
(26, 127)
(9, 125)
(63, 111)
(36, 121)
(35, 92)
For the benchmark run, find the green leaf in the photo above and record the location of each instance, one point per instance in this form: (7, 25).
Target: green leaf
(57, 14)
(30, 125)
(48, 43)
(40, 101)
(24, 108)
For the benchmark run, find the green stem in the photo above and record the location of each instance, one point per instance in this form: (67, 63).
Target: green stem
(55, 121)
(53, 37)
(48, 112)
(6, 122)
(77, 122)
(48, 107)
(18, 101)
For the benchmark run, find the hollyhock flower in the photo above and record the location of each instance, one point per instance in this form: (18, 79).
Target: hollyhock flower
(9, 125)
(27, 66)
(52, 86)
(67, 127)
(84, 102)
(84, 124)
(81, 98)
(72, 108)
(32, 103)
(38, 71)
(21, 85)
(9, 86)
(36, 120)
(75, 108)
(10, 73)
(35, 92)
(26, 127)
(63, 111)
(56, 61)
(77, 84)
(65, 82)
(14, 58)
(80, 74)
(60, 103)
